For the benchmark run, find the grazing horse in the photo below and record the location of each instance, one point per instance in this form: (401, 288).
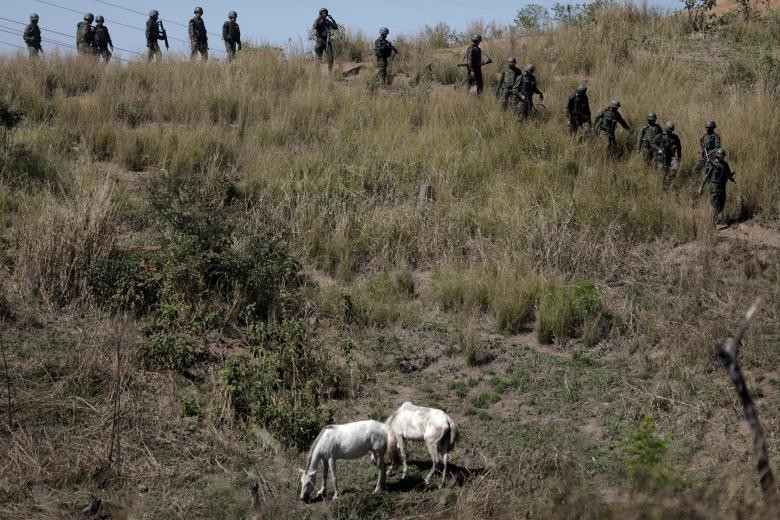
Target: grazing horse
(346, 441)
(417, 423)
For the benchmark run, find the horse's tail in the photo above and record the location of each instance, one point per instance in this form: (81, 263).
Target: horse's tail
(454, 434)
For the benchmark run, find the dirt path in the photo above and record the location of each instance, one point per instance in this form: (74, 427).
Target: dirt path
(754, 234)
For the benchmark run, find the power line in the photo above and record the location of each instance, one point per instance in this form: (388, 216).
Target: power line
(478, 8)
(412, 6)
(349, 15)
(13, 45)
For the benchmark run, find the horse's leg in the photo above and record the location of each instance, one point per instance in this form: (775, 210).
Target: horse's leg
(433, 450)
(380, 464)
(402, 450)
(444, 471)
(322, 492)
(332, 464)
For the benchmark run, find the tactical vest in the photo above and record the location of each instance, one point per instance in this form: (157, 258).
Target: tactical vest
(649, 134)
(719, 174)
(382, 48)
(474, 56)
(101, 37)
(198, 29)
(608, 121)
(528, 85)
(668, 145)
(710, 141)
(510, 76)
(84, 34)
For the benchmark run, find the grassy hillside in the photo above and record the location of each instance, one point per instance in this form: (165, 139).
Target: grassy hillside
(203, 264)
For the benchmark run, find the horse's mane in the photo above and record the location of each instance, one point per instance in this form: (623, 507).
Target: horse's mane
(314, 445)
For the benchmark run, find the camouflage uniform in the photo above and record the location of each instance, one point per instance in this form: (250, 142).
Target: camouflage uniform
(32, 37)
(152, 36)
(505, 91)
(578, 111)
(85, 38)
(525, 86)
(231, 33)
(718, 175)
(645, 141)
(708, 143)
(606, 123)
(383, 50)
(668, 156)
(322, 28)
(103, 41)
(199, 39)
(474, 65)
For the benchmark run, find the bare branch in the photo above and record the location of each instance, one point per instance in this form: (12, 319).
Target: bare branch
(728, 354)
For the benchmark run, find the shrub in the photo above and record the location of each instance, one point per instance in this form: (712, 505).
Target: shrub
(645, 451)
(563, 311)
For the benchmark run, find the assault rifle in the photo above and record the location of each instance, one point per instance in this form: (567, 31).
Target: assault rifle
(162, 33)
(709, 161)
(488, 62)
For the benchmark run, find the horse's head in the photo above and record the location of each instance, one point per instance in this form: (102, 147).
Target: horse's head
(307, 483)
(392, 451)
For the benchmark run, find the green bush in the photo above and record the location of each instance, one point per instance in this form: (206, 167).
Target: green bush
(564, 311)
(646, 453)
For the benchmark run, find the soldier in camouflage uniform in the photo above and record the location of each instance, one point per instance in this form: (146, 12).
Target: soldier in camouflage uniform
(85, 36)
(199, 38)
(708, 143)
(383, 50)
(646, 138)
(606, 123)
(322, 28)
(32, 37)
(103, 39)
(231, 33)
(504, 91)
(578, 109)
(153, 36)
(525, 86)
(668, 155)
(474, 65)
(718, 175)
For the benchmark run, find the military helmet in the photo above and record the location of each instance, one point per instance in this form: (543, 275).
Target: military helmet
(232, 14)
(99, 19)
(614, 104)
(512, 61)
(198, 10)
(710, 124)
(153, 13)
(323, 11)
(89, 17)
(652, 116)
(720, 152)
(476, 38)
(670, 126)
(582, 88)
(384, 30)
(34, 17)
(530, 68)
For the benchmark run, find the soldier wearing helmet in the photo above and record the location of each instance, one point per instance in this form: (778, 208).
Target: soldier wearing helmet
(607, 121)
(103, 39)
(153, 35)
(231, 33)
(708, 143)
(646, 138)
(383, 50)
(578, 109)
(668, 154)
(32, 37)
(322, 28)
(525, 87)
(85, 36)
(199, 38)
(505, 83)
(718, 175)
(474, 65)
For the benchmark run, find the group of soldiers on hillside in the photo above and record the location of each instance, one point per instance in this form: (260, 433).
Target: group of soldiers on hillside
(659, 146)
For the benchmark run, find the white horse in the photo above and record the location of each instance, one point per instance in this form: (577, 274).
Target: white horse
(346, 441)
(417, 423)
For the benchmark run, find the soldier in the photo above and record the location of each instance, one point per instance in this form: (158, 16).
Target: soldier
(718, 174)
(32, 37)
(578, 109)
(646, 138)
(231, 33)
(322, 28)
(606, 122)
(199, 39)
(708, 143)
(668, 155)
(102, 40)
(153, 36)
(85, 36)
(525, 86)
(474, 65)
(504, 91)
(383, 50)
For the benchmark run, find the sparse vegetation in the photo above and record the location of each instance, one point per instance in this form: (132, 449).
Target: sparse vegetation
(264, 250)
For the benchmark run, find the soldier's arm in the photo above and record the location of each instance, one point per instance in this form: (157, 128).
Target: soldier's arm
(679, 147)
(191, 29)
(640, 138)
(623, 123)
(238, 36)
(226, 31)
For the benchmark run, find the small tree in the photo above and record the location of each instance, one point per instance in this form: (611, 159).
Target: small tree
(698, 13)
(532, 18)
